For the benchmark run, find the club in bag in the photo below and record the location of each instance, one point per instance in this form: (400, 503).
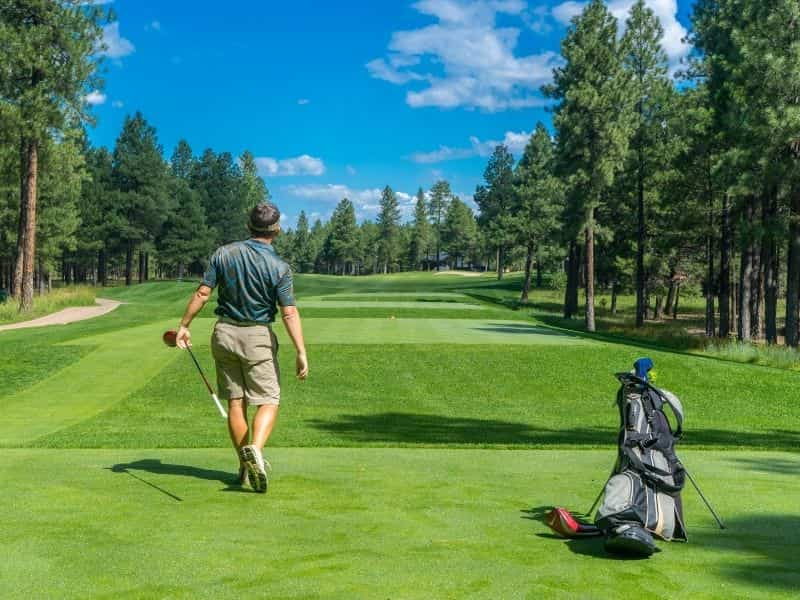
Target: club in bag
(170, 339)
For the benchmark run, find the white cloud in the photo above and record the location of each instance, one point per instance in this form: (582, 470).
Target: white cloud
(300, 165)
(564, 12)
(117, 104)
(665, 10)
(351, 170)
(95, 98)
(303, 101)
(153, 26)
(366, 201)
(465, 59)
(116, 46)
(513, 140)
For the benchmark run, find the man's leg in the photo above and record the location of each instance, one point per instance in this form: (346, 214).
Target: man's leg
(263, 423)
(237, 423)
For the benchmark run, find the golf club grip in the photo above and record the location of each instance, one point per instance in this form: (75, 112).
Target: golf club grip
(200, 370)
(219, 406)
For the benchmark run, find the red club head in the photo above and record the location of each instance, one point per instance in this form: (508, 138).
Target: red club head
(170, 338)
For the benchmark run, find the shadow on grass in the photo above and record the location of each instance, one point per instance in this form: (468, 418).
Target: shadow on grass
(521, 328)
(780, 466)
(769, 546)
(408, 428)
(155, 466)
(588, 546)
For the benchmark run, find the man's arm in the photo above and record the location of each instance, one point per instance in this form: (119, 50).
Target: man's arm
(291, 319)
(196, 304)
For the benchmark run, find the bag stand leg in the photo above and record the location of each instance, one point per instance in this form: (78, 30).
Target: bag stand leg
(707, 503)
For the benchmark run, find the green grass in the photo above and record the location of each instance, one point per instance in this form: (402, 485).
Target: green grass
(373, 523)
(49, 303)
(415, 462)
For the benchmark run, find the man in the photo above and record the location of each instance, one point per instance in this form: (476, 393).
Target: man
(253, 281)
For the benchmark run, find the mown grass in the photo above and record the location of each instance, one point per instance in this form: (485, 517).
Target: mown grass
(408, 470)
(48, 303)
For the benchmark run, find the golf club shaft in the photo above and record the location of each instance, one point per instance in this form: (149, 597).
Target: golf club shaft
(707, 503)
(596, 501)
(208, 385)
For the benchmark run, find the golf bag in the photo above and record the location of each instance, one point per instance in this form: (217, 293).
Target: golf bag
(643, 496)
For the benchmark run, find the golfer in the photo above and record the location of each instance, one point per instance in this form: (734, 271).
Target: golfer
(253, 281)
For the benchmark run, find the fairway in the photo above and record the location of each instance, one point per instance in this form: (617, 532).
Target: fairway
(416, 461)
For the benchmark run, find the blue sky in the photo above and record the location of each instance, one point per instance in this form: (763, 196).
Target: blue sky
(342, 98)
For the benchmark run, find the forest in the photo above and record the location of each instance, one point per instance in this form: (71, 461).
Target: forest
(650, 180)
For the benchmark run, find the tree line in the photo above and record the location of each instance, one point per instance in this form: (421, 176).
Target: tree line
(649, 181)
(650, 185)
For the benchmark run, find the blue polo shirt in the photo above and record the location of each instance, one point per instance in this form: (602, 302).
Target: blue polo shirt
(252, 281)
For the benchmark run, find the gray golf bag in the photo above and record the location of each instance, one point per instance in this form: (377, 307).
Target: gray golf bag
(643, 496)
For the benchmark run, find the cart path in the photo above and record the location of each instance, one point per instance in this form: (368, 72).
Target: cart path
(68, 315)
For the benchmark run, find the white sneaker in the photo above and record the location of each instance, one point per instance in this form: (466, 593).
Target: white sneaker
(257, 468)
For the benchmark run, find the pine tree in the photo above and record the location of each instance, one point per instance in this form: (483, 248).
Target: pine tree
(47, 63)
(538, 200)
(341, 243)
(253, 190)
(139, 175)
(646, 63)
(420, 241)
(496, 202)
(592, 118)
(389, 229)
(182, 162)
(439, 200)
(460, 235)
(304, 252)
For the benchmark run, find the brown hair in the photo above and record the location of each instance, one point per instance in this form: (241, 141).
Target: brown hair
(264, 220)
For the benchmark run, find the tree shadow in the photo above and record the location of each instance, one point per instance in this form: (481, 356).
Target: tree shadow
(780, 466)
(429, 429)
(769, 545)
(521, 328)
(436, 429)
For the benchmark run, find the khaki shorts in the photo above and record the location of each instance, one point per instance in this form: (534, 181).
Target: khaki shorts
(247, 363)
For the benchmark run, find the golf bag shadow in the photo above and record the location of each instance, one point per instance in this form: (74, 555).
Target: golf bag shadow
(642, 498)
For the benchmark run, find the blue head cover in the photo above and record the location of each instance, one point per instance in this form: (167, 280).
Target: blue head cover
(642, 368)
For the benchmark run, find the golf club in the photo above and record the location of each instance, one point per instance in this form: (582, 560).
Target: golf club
(170, 339)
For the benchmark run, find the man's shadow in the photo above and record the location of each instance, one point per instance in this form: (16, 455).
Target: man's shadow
(155, 466)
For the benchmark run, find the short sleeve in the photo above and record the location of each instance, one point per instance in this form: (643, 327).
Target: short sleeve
(210, 276)
(286, 289)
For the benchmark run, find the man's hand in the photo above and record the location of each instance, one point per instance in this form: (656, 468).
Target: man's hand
(302, 366)
(184, 339)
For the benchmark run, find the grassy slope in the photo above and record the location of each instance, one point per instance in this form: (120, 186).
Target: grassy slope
(358, 523)
(136, 521)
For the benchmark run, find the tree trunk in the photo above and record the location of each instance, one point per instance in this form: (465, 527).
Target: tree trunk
(677, 301)
(658, 312)
(640, 242)
(614, 294)
(22, 225)
(571, 293)
(589, 235)
(29, 245)
(793, 274)
(500, 260)
(745, 288)
(771, 273)
(526, 284)
(147, 266)
(670, 292)
(725, 272)
(539, 277)
(102, 267)
(756, 276)
(709, 283)
(129, 263)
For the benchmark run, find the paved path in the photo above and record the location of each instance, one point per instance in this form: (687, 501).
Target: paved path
(68, 315)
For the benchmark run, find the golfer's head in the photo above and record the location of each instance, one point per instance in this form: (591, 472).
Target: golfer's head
(264, 220)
